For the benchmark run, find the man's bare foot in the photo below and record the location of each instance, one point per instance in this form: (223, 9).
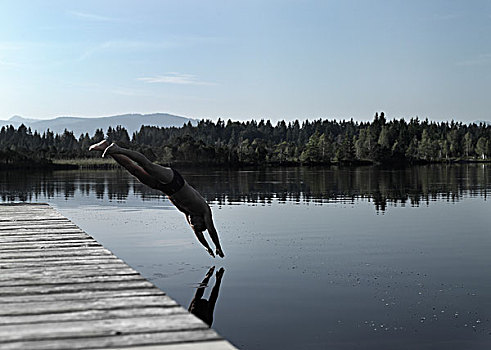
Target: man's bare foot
(112, 147)
(220, 253)
(101, 146)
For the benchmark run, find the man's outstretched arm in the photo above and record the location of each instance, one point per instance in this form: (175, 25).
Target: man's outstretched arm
(213, 233)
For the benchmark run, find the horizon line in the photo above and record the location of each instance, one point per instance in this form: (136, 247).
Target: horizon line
(215, 119)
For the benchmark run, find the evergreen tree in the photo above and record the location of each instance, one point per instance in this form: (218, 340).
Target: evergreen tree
(482, 147)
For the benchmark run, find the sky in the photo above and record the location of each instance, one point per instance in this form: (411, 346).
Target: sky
(242, 60)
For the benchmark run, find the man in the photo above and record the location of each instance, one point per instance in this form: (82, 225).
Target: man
(202, 308)
(169, 181)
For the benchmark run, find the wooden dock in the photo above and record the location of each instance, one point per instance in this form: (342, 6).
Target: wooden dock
(60, 289)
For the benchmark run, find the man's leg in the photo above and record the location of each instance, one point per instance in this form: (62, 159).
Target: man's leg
(127, 163)
(161, 173)
(136, 171)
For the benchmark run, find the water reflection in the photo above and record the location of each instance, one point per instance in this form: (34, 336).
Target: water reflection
(202, 308)
(383, 186)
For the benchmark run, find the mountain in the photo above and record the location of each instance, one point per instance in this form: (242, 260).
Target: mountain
(132, 122)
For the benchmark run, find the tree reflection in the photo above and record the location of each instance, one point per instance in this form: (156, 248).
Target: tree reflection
(382, 186)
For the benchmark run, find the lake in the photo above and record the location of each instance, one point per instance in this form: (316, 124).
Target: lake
(316, 258)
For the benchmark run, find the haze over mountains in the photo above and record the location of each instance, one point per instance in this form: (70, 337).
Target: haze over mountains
(132, 122)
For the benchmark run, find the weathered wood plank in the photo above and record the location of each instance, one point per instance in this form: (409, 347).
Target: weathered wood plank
(61, 236)
(32, 216)
(201, 345)
(29, 217)
(116, 341)
(35, 214)
(48, 245)
(65, 258)
(81, 295)
(24, 204)
(81, 262)
(40, 232)
(28, 208)
(34, 223)
(55, 280)
(98, 328)
(90, 315)
(62, 306)
(67, 269)
(45, 253)
(38, 227)
(57, 272)
(53, 289)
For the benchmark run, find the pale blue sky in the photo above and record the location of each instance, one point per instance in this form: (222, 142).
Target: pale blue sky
(246, 59)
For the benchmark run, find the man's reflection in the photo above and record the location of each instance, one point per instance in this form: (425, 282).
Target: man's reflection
(203, 308)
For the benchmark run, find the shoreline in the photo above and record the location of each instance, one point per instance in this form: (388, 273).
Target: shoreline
(107, 164)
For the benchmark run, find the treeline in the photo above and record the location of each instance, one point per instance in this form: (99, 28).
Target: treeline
(252, 142)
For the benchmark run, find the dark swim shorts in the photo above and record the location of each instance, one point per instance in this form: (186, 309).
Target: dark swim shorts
(175, 185)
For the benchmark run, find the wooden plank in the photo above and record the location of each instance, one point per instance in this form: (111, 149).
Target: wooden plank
(67, 272)
(64, 258)
(46, 238)
(31, 222)
(201, 345)
(55, 280)
(28, 220)
(40, 230)
(89, 315)
(49, 306)
(49, 245)
(32, 216)
(45, 253)
(34, 213)
(80, 262)
(33, 247)
(86, 296)
(61, 236)
(74, 270)
(59, 289)
(53, 289)
(22, 204)
(115, 341)
(24, 227)
(98, 328)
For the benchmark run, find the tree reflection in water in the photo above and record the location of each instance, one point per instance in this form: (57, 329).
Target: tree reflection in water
(382, 186)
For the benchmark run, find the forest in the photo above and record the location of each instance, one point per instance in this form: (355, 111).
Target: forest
(234, 143)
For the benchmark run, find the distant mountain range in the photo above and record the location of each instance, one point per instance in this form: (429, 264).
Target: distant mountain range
(132, 122)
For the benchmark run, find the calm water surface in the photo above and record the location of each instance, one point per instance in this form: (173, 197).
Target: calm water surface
(330, 258)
